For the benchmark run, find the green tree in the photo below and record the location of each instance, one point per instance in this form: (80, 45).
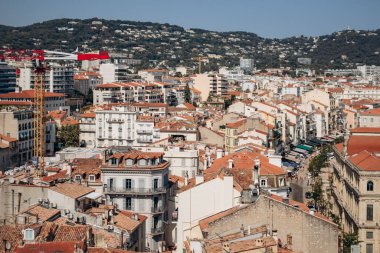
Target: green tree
(69, 135)
(187, 94)
(348, 240)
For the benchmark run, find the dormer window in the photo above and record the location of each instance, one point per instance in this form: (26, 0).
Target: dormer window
(129, 162)
(154, 161)
(263, 182)
(91, 178)
(113, 161)
(78, 178)
(143, 162)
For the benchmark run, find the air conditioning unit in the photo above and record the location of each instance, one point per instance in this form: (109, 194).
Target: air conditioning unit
(110, 228)
(67, 211)
(39, 201)
(28, 234)
(70, 216)
(53, 205)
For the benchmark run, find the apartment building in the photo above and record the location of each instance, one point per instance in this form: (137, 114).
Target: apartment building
(52, 101)
(369, 71)
(210, 85)
(127, 92)
(369, 118)
(139, 182)
(58, 79)
(86, 81)
(183, 161)
(8, 153)
(87, 130)
(153, 75)
(7, 78)
(356, 191)
(124, 125)
(111, 72)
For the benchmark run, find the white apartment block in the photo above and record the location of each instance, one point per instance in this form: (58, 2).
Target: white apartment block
(87, 128)
(153, 75)
(127, 92)
(372, 92)
(369, 71)
(124, 125)
(139, 182)
(58, 78)
(210, 85)
(111, 72)
(183, 162)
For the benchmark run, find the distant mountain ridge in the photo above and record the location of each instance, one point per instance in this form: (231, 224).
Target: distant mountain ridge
(173, 45)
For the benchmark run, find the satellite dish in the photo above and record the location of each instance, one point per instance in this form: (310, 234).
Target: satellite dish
(11, 180)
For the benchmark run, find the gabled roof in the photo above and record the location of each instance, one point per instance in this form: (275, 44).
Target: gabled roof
(71, 190)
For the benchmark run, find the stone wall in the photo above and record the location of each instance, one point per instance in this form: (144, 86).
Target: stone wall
(309, 233)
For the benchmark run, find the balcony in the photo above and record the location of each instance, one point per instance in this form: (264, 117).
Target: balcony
(141, 131)
(144, 140)
(120, 121)
(157, 231)
(135, 191)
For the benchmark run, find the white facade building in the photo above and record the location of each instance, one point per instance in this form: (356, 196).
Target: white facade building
(182, 161)
(111, 72)
(123, 126)
(139, 181)
(58, 78)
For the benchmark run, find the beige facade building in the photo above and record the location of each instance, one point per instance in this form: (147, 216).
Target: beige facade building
(369, 118)
(356, 186)
(210, 85)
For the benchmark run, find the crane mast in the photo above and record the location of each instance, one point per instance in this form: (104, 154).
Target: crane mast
(41, 57)
(39, 118)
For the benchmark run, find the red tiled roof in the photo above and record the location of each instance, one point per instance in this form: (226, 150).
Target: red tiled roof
(88, 115)
(372, 112)
(57, 114)
(28, 94)
(243, 164)
(69, 121)
(7, 138)
(366, 130)
(62, 247)
(71, 190)
(236, 124)
(366, 161)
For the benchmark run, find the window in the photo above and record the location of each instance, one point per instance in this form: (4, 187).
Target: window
(91, 178)
(129, 162)
(369, 212)
(263, 182)
(128, 183)
(370, 186)
(369, 248)
(369, 235)
(155, 183)
(142, 162)
(78, 177)
(128, 203)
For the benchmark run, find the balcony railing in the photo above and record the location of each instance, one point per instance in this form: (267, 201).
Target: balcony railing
(144, 140)
(115, 121)
(141, 131)
(135, 190)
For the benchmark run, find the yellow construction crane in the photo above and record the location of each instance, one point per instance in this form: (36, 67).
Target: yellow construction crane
(200, 59)
(39, 118)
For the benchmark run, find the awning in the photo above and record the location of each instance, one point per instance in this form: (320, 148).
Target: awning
(91, 195)
(301, 151)
(305, 148)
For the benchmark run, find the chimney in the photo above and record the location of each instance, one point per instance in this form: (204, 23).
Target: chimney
(230, 163)
(186, 178)
(345, 142)
(219, 153)
(242, 230)
(226, 247)
(205, 163)
(256, 171)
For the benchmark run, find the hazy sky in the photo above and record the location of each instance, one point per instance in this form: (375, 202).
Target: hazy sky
(267, 18)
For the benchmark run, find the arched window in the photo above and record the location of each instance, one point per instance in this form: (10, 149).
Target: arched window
(370, 186)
